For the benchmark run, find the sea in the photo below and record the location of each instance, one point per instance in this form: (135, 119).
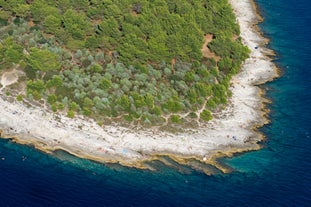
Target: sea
(277, 175)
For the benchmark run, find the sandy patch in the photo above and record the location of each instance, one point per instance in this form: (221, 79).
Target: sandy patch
(9, 78)
(206, 51)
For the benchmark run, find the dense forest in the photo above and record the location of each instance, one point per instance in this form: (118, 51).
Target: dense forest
(156, 62)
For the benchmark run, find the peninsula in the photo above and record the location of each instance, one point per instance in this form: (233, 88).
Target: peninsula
(178, 82)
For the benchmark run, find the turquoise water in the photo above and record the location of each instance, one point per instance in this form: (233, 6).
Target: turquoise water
(277, 175)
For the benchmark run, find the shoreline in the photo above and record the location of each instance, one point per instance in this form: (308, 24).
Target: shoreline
(235, 130)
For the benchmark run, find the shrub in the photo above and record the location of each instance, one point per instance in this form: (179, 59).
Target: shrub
(19, 97)
(175, 119)
(70, 114)
(206, 115)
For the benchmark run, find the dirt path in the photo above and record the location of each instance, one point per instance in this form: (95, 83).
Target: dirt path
(206, 51)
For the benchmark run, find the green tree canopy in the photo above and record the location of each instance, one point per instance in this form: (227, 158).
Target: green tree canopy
(43, 60)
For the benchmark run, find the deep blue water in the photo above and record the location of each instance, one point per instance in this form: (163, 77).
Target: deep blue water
(277, 175)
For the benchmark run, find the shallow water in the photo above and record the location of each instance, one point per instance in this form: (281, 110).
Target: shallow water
(277, 175)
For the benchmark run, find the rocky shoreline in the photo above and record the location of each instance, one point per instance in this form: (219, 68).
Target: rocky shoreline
(233, 131)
